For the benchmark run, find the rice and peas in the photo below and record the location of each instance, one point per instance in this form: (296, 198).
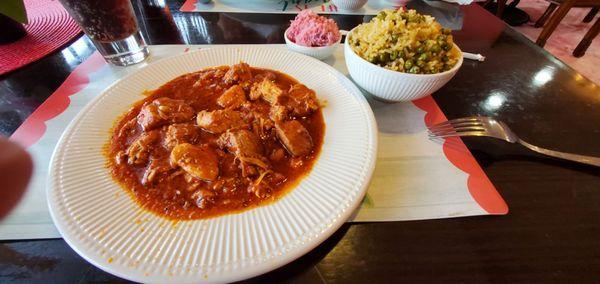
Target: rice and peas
(405, 41)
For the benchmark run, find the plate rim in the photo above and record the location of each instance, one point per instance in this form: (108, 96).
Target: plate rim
(255, 269)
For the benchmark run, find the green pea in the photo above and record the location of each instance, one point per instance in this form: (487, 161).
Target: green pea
(414, 70)
(384, 57)
(423, 57)
(435, 48)
(413, 18)
(394, 55)
(421, 49)
(420, 63)
(408, 64)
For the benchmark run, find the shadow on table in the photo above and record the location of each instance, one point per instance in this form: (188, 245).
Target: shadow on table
(489, 151)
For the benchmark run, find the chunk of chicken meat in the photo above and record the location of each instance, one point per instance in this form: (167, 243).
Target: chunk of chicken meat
(203, 198)
(246, 146)
(302, 100)
(277, 155)
(279, 112)
(261, 124)
(261, 190)
(199, 162)
(139, 151)
(294, 137)
(156, 169)
(181, 133)
(219, 121)
(267, 90)
(163, 111)
(237, 73)
(233, 98)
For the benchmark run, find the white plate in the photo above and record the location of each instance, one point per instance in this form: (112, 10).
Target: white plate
(106, 227)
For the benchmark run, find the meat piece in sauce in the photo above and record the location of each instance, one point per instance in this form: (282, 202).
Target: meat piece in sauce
(218, 121)
(294, 137)
(203, 198)
(163, 111)
(155, 170)
(139, 151)
(279, 113)
(265, 74)
(302, 100)
(261, 124)
(181, 133)
(233, 98)
(207, 77)
(277, 155)
(247, 148)
(267, 90)
(261, 189)
(199, 162)
(237, 73)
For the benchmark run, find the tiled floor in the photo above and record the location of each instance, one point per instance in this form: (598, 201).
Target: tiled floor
(565, 38)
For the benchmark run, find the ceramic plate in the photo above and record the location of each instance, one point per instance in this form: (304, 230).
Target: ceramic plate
(105, 226)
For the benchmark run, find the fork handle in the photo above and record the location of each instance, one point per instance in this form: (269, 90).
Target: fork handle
(594, 161)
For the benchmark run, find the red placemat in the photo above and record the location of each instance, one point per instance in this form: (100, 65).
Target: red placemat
(49, 28)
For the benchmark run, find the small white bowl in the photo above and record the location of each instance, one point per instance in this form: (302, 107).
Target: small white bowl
(349, 5)
(394, 86)
(320, 52)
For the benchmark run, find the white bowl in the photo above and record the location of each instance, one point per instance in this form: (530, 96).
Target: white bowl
(389, 85)
(349, 5)
(320, 52)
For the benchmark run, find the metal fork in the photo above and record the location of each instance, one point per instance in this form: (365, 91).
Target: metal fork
(487, 126)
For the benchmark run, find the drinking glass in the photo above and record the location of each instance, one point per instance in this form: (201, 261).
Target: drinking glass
(112, 26)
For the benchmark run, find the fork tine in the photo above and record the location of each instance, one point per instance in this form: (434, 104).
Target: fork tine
(471, 119)
(457, 120)
(468, 133)
(457, 129)
(453, 129)
(454, 133)
(446, 133)
(455, 125)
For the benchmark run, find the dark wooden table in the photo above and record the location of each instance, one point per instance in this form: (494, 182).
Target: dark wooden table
(552, 233)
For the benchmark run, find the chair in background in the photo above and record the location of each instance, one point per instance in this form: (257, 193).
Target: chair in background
(500, 8)
(550, 20)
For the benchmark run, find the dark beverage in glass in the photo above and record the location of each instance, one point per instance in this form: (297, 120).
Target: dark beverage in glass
(112, 26)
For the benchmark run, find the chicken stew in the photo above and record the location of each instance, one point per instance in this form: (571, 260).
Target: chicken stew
(216, 141)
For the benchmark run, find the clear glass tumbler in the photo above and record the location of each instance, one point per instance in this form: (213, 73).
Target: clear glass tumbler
(112, 26)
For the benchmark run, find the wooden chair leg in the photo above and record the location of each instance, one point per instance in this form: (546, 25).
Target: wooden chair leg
(542, 20)
(587, 40)
(549, 27)
(590, 16)
(500, 8)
